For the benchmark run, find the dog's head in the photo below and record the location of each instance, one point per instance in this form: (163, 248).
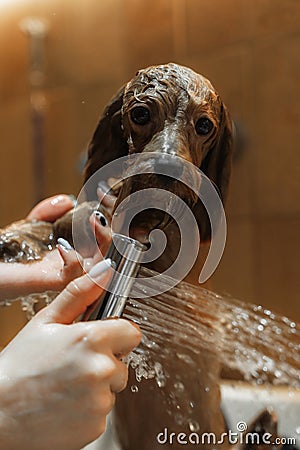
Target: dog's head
(166, 109)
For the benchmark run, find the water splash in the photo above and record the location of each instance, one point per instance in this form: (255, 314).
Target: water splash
(252, 343)
(188, 333)
(30, 302)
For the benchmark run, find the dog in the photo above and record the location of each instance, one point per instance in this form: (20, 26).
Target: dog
(169, 109)
(166, 109)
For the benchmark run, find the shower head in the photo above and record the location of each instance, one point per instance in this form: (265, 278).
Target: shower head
(125, 254)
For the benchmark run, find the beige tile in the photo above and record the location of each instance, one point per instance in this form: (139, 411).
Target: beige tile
(85, 42)
(275, 16)
(90, 103)
(12, 319)
(72, 117)
(277, 266)
(14, 53)
(179, 28)
(277, 131)
(215, 24)
(62, 144)
(235, 274)
(148, 33)
(15, 161)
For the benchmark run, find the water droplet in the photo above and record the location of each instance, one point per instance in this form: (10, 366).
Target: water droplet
(161, 382)
(6, 303)
(178, 419)
(134, 388)
(186, 358)
(179, 386)
(194, 426)
(276, 330)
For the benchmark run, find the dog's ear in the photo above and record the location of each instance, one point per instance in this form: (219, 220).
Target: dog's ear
(217, 163)
(108, 142)
(217, 166)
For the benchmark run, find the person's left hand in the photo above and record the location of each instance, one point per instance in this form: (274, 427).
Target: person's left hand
(52, 208)
(54, 270)
(58, 267)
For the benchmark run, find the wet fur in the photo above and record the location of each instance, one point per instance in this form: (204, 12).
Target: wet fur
(176, 97)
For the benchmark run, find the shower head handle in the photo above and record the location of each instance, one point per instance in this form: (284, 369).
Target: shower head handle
(125, 254)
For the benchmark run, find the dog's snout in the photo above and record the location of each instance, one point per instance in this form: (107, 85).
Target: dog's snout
(167, 166)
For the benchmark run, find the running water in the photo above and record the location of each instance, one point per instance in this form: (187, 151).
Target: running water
(190, 337)
(32, 302)
(251, 342)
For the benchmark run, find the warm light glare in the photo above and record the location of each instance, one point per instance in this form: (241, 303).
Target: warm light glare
(10, 2)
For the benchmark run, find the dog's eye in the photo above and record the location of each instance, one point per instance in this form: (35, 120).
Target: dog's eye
(140, 115)
(203, 126)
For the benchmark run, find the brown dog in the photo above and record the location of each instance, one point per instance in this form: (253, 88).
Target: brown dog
(167, 109)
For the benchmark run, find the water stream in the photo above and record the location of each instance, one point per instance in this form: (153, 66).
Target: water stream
(190, 337)
(251, 342)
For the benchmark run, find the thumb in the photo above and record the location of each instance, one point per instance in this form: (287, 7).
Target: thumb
(77, 295)
(51, 208)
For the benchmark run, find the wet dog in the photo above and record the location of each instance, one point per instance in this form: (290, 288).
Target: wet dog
(167, 109)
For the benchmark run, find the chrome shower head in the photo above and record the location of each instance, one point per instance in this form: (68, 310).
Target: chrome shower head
(125, 254)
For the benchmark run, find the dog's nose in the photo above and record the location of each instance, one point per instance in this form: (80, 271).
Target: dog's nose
(168, 166)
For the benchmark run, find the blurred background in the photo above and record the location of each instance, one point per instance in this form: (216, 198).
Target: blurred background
(62, 60)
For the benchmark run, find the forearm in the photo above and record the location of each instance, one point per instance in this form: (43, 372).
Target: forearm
(18, 279)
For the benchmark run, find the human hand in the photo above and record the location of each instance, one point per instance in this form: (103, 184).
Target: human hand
(58, 379)
(100, 227)
(59, 266)
(51, 208)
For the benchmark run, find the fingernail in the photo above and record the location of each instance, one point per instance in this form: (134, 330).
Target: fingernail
(58, 199)
(135, 325)
(65, 244)
(103, 186)
(100, 268)
(101, 218)
(73, 199)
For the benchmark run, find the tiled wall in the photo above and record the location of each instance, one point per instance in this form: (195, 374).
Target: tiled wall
(250, 51)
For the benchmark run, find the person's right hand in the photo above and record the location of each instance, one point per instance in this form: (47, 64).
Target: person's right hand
(58, 379)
